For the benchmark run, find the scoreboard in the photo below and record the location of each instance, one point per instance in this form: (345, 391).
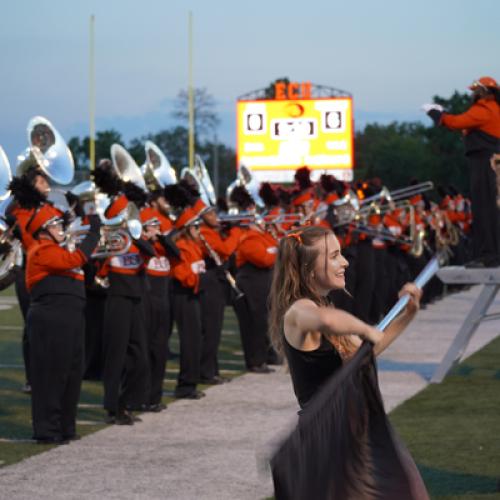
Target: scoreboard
(276, 137)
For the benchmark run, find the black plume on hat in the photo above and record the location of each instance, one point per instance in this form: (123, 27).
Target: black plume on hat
(328, 183)
(106, 179)
(241, 197)
(190, 188)
(284, 195)
(135, 194)
(303, 178)
(25, 194)
(268, 195)
(177, 196)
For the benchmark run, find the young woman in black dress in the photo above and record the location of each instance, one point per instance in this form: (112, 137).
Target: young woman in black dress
(343, 446)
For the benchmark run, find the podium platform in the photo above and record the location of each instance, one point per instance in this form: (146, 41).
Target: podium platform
(459, 275)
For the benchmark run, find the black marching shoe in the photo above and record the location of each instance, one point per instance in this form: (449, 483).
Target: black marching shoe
(122, 417)
(190, 395)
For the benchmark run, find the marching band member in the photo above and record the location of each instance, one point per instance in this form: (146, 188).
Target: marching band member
(303, 200)
(125, 369)
(480, 125)
(217, 249)
(157, 307)
(271, 201)
(55, 323)
(213, 283)
(255, 257)
(186, 307)
(29, 192)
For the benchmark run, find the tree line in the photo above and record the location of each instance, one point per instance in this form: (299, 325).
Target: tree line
(396, 153)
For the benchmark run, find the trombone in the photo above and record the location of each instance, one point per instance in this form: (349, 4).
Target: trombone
(399, 194)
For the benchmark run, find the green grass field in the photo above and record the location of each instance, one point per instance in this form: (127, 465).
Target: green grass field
(452, 429)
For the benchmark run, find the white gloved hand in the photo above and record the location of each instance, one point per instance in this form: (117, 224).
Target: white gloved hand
(428, 107)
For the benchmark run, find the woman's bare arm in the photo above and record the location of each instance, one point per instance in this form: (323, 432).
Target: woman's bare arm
(304, 316)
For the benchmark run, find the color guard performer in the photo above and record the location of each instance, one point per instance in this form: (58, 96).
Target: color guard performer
(343, 446)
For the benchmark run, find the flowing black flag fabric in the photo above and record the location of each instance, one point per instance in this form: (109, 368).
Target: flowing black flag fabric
(344, 447)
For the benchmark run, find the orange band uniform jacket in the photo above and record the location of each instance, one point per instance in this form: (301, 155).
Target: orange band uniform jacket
(256, 248)
(480, 125)
(51, 268)
(224, 247)
(191, 264)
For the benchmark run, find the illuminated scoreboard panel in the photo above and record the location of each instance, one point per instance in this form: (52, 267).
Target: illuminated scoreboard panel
(277, 137)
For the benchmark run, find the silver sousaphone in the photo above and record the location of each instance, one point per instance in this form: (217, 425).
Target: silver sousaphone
(128, 170)
(47, 151)
(157, 171)
(13, 255)
(245, 178)
(126, 167)
(199, 177)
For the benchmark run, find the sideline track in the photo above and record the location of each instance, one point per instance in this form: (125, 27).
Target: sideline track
(209, 449)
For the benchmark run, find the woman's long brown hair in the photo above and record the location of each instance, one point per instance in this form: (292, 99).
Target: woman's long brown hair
(292, 277)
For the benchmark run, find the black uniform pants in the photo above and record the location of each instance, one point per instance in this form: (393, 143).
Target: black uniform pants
(157, 312)
(125, 369)
(251, 311)
(213, 302)
(382, 278)
(23, 298)
(56, 328)
(186, 310)
(365, 280)
(485, 224)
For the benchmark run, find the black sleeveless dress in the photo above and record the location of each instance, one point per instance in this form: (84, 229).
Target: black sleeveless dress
(344, 447)
(310, 369)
